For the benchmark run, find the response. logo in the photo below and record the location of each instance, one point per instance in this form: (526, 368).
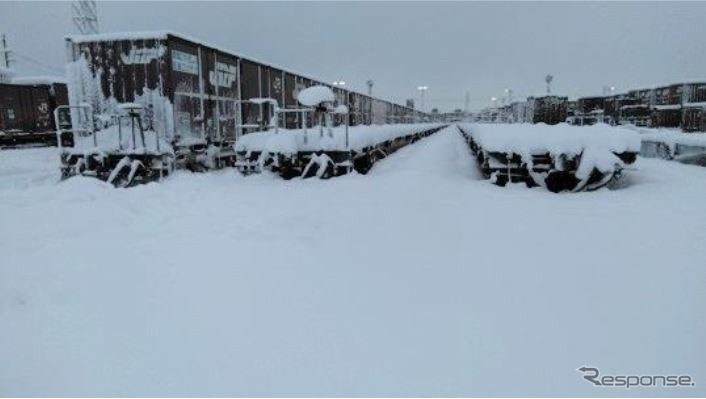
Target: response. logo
(593, 375)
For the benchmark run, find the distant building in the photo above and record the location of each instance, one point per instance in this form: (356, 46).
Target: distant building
(410, 103)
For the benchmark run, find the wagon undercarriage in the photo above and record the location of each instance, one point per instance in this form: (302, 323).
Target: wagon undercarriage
(121, 170)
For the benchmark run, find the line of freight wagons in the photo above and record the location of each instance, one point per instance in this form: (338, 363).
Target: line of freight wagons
(681, 105)
(192, 92)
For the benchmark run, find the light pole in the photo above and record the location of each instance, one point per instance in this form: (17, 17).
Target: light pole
(493, 109)
(422, 89)
(509, 95)
(549, 79)
(339, 83)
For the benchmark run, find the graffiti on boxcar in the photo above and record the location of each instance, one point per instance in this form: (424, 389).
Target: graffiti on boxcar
(142, 55)
(185, 62)
(223, 76)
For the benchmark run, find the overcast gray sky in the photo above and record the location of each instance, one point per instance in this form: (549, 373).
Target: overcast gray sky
(449, 47)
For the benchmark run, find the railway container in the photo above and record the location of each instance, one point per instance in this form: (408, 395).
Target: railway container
(547, 109)
(587, 105)
(694, 103)
(26, 111)
(667, 106)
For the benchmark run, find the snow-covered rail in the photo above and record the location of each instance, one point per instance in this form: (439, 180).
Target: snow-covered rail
(325, 153)
(559, 157)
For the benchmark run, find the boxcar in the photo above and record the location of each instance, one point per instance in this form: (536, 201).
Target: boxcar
(547, 109)
(667, 106)
(26, 110)
(587, 105)
(694, 113)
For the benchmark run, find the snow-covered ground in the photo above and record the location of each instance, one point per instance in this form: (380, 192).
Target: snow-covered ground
(417, 279)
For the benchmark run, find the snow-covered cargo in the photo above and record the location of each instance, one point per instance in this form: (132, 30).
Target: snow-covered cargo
(315, 95)
(560, 157)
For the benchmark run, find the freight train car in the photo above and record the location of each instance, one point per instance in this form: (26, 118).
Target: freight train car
(197, 97)
(694, 107)
(26, 111)
(623, 109)
(558, 158)
(666, 106)
(547, 109)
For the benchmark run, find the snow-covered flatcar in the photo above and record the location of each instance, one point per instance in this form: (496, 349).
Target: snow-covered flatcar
(559, 158)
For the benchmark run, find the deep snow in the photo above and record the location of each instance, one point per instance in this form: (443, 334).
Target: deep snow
(417, 279)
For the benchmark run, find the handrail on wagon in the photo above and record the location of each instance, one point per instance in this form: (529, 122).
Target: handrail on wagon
(260, 102)
(65, 122)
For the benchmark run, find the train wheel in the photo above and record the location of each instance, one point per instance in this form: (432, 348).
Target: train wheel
(558, 181)
(362, 164)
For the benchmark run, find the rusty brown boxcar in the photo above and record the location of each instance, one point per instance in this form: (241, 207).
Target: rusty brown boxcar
(547, 109)
(193, 92)
(26, 110)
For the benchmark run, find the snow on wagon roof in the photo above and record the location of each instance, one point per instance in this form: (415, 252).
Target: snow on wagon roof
(164, 34)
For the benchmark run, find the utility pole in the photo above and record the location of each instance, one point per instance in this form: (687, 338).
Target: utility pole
(4, 52)
(85, 16)
(5, 72)
(467, 103)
